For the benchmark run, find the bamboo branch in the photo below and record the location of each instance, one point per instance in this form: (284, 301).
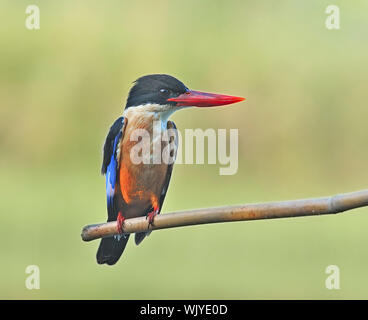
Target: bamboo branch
(271, 210)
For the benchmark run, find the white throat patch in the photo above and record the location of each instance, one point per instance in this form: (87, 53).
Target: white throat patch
(158, 112)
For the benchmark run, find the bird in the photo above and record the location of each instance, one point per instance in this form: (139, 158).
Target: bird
(134, 188)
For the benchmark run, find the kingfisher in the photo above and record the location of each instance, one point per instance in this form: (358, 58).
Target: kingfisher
(138, 188)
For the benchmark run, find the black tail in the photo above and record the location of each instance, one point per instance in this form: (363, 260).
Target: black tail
(111, 249)
(139, 236)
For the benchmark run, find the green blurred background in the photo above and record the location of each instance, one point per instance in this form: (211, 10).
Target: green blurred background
(302, 133)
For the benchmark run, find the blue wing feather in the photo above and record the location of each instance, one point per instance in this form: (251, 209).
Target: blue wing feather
(110, 163)
(111, 173)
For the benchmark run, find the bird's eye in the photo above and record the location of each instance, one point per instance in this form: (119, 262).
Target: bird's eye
(165, 91)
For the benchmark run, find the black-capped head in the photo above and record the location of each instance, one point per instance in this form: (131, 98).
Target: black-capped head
(165, 90)
(155, 89)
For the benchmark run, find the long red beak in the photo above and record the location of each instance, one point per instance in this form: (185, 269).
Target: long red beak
(204, 99)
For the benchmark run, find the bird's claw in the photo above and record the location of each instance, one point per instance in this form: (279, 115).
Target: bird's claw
(151, 216)
(120, 222)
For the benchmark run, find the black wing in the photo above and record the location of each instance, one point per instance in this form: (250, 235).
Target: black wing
(170, 125)
(111, 248)
(110, 164)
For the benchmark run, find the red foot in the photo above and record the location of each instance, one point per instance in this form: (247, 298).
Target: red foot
(151, 216)
(120, 221)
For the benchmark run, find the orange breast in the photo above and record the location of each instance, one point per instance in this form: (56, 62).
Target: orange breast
(139, 182)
